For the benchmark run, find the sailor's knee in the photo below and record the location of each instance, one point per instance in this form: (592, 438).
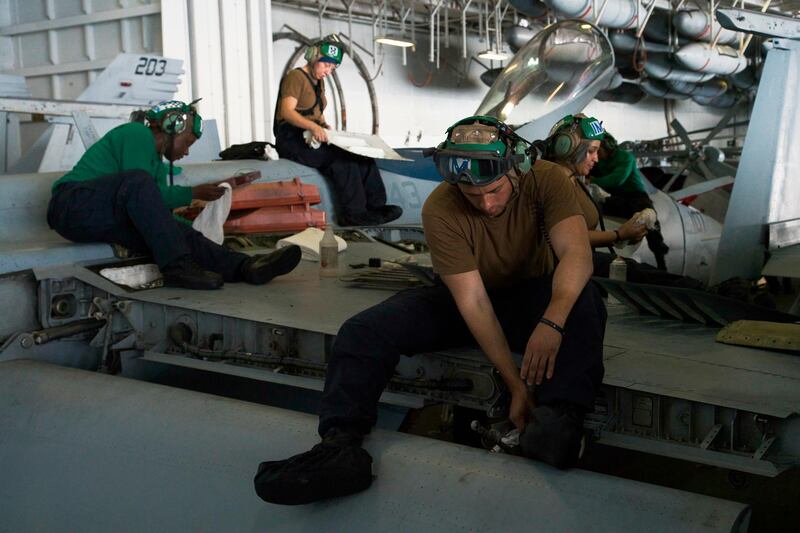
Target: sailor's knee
(138, 177)
(362, 337)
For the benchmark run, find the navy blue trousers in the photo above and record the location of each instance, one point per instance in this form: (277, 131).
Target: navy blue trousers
(368, 346)
(355, 181)
(127, 209)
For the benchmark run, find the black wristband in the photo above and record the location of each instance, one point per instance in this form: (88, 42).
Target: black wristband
(553, 325)
(616, 239)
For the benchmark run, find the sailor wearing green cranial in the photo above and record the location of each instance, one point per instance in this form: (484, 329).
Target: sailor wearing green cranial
(118, 193)
(488, 225)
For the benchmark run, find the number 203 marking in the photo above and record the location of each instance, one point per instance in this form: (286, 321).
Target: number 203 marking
(150, 66)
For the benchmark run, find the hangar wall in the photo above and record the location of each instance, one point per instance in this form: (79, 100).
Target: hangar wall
(61, 46)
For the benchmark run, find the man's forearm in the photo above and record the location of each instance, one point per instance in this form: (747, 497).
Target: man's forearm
(484, 326)
(569, 279)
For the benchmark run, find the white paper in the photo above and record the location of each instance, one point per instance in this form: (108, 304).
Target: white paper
(308, 241)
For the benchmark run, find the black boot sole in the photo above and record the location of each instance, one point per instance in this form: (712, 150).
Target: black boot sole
(278, 263)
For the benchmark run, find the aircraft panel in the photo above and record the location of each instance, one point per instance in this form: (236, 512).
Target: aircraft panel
(103, 453)
(675, 359)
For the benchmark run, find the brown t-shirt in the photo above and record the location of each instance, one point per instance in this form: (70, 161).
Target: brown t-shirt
(588, 206)
(297, 84)
(506, 248)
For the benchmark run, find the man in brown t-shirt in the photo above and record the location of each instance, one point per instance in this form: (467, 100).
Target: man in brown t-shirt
(358, 191)
(493, 229)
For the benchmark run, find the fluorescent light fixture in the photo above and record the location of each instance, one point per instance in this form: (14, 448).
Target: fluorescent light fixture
(394, 40)
(493, 55)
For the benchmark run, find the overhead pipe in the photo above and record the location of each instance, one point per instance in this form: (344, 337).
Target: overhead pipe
(464, 29)
(323, 6)
(433, 44)
(349, 6)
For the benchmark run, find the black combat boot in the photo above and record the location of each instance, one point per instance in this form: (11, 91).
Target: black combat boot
(554, 434)
(389, 212)
(259, 269)
(337, 466)
(184, 273)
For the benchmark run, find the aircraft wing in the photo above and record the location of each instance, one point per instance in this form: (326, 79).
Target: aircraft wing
(701, 188)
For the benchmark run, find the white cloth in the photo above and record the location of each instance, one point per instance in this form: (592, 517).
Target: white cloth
(135, 276)
(271, 153)
(214, 215)
(308, 241)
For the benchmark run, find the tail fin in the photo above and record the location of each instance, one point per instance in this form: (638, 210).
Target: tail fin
(136, 79)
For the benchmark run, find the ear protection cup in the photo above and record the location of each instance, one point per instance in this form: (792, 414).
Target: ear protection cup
(565, 142)
(523, 151)
(173, 122)
(311, 52)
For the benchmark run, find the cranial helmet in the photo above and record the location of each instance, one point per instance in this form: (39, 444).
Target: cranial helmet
(173, 116)
(327, 51)
(566, 136)
(479, 150)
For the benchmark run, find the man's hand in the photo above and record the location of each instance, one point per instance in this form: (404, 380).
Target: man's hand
(521, 405)
(540, 354)
(319, 133)
(207, 191)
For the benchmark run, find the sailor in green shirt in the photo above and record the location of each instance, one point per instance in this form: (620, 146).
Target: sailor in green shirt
(118, 193)
(616, 172)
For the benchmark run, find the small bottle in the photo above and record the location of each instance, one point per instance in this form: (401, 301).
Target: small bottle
(328, 254)
(617, 270)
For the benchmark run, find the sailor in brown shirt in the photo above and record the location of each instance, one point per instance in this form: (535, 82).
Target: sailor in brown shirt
(356, 184)
(491, 227)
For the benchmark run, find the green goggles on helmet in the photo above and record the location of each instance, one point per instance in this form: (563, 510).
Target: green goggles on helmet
(472, 168)
(475, 152)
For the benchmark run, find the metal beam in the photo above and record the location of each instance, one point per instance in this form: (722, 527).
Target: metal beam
(64, 68)
(80, 20)
(63, 108)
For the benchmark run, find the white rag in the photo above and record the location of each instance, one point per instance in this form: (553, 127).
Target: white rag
(214, 215)
(308, 241)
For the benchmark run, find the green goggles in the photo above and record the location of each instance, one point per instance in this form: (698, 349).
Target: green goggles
(472, 168)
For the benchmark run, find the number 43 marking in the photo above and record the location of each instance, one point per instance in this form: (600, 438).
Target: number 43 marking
(150, 66)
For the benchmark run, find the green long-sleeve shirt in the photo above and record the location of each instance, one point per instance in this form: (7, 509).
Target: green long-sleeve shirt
(130, 146)
(618, 173)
